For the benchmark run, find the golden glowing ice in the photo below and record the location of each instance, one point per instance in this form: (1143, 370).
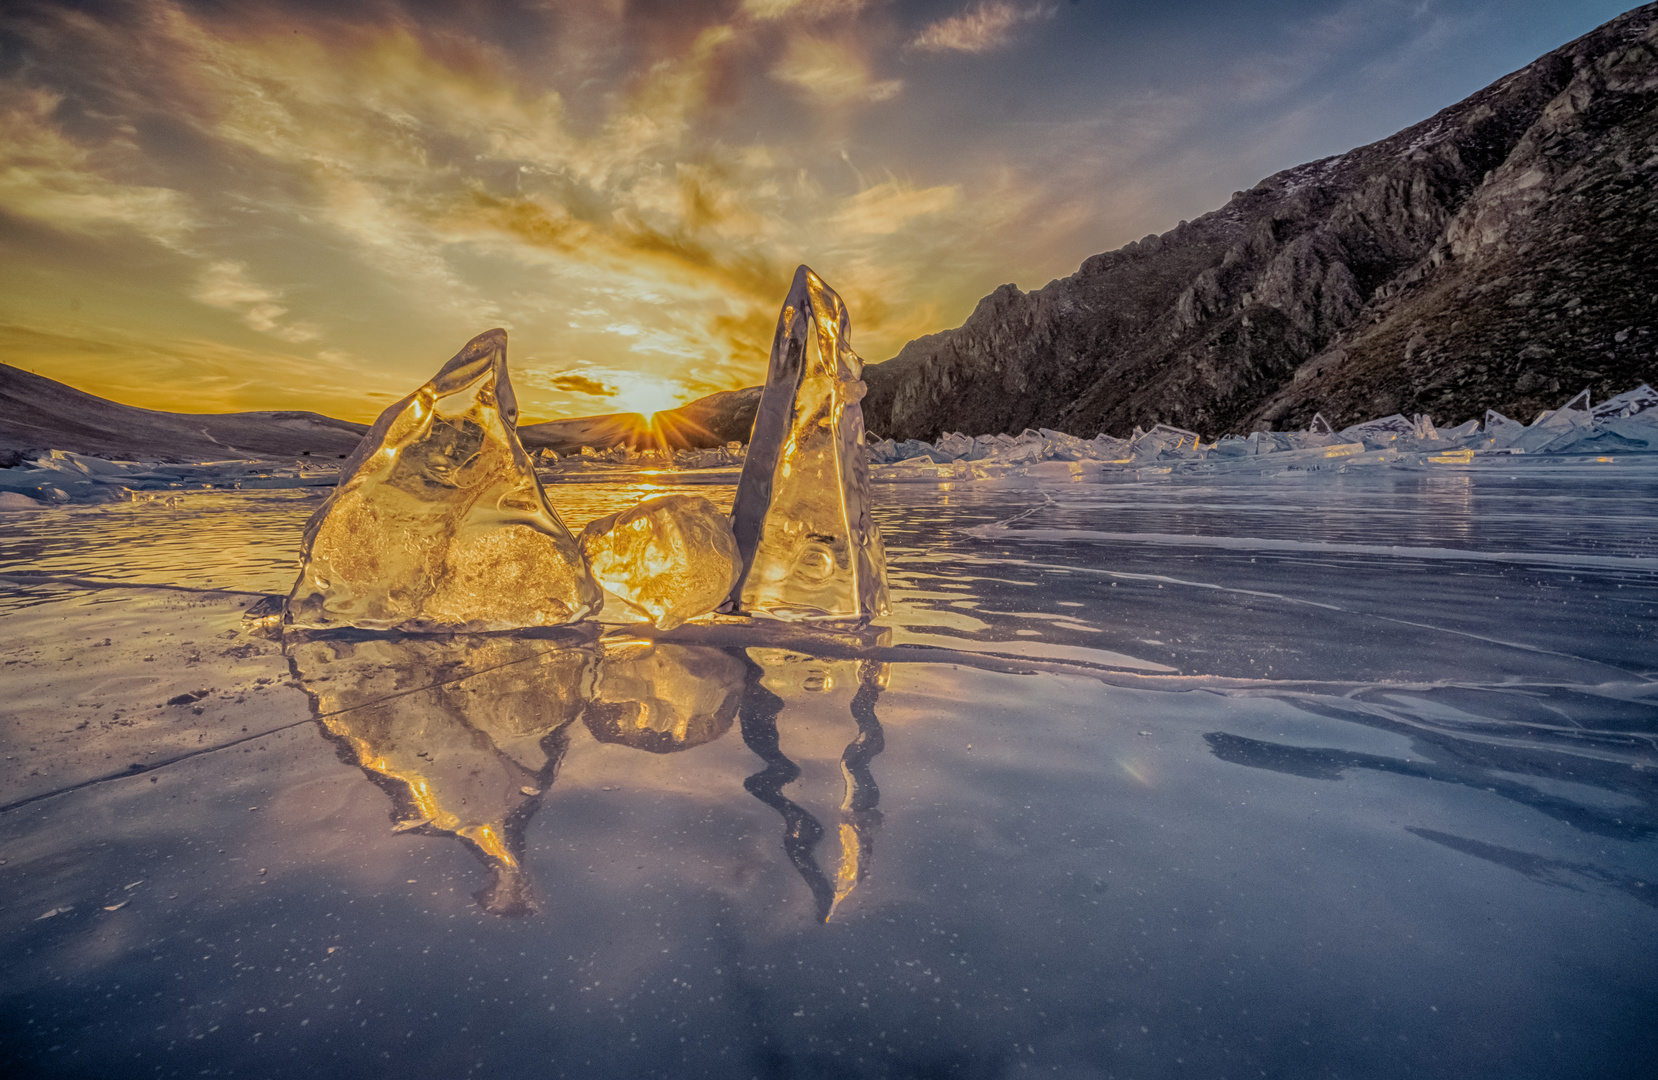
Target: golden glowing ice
(673, 557)
(439, 523)
(809, 548)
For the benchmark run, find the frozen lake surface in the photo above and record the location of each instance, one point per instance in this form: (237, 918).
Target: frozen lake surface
(1303, 775)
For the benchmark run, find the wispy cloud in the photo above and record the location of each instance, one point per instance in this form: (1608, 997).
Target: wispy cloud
(226, 285)
(831, 72)
(801, 9)
(885, 208)
(980, 29)
(51, 179)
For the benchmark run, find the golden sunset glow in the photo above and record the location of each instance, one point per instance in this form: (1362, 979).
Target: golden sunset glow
(210, 207)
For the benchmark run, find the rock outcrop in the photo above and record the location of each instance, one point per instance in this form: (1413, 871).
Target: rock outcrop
(1493, 256)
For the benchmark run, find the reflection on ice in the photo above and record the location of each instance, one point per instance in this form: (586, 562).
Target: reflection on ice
(774, 677)
(662, 697)
(467, 733)
(1245, 774)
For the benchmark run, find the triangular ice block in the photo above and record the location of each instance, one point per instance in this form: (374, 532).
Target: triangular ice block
(1320, 426)
(809, 548)
(439, 523)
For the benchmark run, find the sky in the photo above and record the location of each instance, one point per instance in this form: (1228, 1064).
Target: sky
(210, 206)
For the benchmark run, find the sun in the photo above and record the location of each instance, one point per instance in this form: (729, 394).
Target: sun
(648, 396)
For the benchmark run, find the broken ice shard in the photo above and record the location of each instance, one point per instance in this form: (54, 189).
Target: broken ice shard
(673, 558)
(439, 523)
(1640, 400)
(809, 548)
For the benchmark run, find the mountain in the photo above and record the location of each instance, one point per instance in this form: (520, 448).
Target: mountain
(706, 422)
(37, 413)
(1502, 253)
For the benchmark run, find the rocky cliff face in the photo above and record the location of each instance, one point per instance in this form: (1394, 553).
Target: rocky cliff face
(1499, 254)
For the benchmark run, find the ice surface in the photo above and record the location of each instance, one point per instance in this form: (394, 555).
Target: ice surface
(672, 557)
(1150, 745)
(808, 545)
(439, 522)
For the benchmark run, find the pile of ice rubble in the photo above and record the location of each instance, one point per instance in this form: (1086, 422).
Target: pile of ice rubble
(631, 458)
(1624, 424)
(62, 477)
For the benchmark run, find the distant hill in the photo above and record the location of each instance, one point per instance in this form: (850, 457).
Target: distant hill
(1503, 254)
(37, 413)
(706, 422)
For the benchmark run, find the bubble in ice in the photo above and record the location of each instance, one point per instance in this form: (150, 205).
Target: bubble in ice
(809, 547)
(673, 557)
(439, 522)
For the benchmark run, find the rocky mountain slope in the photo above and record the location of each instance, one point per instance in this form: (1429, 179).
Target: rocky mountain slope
(1503, 253)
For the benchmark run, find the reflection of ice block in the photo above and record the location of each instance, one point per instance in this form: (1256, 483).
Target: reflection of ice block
(663, 698)
(673, 558)
(811, 691)
(438, 522)
(809, 548)
(464, 732)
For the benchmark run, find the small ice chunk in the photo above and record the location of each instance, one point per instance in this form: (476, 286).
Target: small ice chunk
(952, 446)
(1320, 426)
(1163, 439)
(1379, 434)
(673, 558)
(439, 522)
(809, 547)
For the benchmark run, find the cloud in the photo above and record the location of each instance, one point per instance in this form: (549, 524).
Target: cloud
(800, 9)
(226, 285)
(831, 73)
(581, 384)
(979, 29)
(885, 208)
(425, 186)
(47, 177)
